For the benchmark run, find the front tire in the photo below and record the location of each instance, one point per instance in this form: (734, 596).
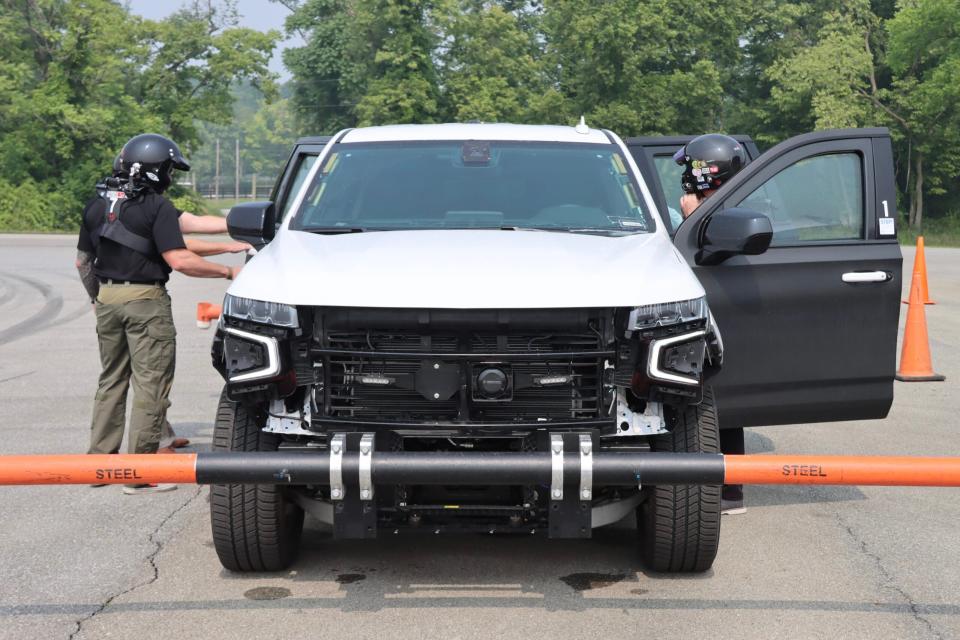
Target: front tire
(679, 525)
(255, 527)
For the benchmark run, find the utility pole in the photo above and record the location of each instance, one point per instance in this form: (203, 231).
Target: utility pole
(216, 179)
(236, 180)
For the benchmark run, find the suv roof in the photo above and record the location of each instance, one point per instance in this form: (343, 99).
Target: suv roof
(676, 140)
(475, 131)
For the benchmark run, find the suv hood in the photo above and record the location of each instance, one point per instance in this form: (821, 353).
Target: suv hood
(467, 269)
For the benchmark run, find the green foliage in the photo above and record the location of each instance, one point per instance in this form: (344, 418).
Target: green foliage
(73, 87)
(822, 81)
(79, 78)
(401, 80)
(641, 67)
(491, 65)
(266, 130)
(767, 68)
(187, 200)
(27, 207)
(924, 57)
(267, 137)
(862, 64)
(321, 86)
(193, 58)
(937, 232)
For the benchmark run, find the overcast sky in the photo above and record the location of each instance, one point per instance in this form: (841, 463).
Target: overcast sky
(255, 14)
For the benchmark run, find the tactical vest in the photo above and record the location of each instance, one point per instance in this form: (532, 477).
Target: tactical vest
(107, 225)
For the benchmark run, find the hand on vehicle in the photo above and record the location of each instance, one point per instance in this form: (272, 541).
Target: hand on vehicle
(238, 247)
(688, 202)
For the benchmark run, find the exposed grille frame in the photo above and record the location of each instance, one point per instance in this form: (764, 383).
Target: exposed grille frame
(578, 343)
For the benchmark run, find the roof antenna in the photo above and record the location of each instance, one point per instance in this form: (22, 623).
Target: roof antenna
(582, 126)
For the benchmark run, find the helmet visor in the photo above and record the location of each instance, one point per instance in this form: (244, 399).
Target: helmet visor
(179, 162)
(680, 157)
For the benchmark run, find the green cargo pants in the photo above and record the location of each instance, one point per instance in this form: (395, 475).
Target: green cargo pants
(138, 345)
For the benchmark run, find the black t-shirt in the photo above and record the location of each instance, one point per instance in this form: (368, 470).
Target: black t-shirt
(149, 215)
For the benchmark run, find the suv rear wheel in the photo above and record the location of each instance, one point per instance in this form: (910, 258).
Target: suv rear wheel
(680, 525)
(255, 527)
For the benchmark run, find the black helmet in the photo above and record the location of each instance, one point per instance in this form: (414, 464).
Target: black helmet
(709, 160)
(149, 159)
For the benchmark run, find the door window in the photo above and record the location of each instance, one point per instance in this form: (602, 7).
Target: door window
(304, 164)
(669, 173)
(814, 199)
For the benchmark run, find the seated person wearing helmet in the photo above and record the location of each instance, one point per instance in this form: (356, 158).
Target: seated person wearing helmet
(709, 161)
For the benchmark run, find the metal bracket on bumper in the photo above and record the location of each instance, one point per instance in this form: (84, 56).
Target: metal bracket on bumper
(354, 511)
(570, 508)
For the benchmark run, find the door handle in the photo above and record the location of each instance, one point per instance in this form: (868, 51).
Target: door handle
(865, 276)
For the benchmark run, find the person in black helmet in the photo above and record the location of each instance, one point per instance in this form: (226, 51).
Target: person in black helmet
(709, 161)
(135, 237)
(189, 224)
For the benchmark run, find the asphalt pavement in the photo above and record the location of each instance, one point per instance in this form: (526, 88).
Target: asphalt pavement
(808, 562)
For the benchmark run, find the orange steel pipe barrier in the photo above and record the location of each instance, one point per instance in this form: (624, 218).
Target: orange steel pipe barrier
(95, 469)
(508, 468)
(859, 470)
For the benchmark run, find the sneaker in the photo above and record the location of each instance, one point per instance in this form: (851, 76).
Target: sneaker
(180, 443)
(134, 489)
(732, 507)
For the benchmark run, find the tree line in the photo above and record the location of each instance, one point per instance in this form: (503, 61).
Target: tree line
(766, 68)
(78, 78)
(74, 86)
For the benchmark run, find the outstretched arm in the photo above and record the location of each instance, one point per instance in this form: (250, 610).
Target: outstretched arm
(190, 223)
(190, 264)
(207, 248)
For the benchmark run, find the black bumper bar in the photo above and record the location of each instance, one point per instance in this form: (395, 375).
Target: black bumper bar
(456, 468)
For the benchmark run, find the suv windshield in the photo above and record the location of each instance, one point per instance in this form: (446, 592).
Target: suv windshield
(473, 185)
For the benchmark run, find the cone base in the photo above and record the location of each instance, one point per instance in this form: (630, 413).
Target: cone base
(933, 377)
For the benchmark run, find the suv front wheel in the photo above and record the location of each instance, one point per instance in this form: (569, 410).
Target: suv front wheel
(255, 527)
(679, 525)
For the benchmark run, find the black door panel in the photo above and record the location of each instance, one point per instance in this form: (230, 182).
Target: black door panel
(802, 345)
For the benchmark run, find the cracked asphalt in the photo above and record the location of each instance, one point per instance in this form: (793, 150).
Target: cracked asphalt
(812, 562)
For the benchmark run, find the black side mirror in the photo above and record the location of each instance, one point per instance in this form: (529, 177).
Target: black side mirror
(252, 222)
(733, 232)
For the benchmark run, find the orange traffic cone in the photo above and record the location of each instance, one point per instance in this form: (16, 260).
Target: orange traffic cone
(920, 266)
(915, 363)
(207, 312)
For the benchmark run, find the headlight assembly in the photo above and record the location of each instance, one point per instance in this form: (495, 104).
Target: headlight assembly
(665, 314)
(272, 313)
